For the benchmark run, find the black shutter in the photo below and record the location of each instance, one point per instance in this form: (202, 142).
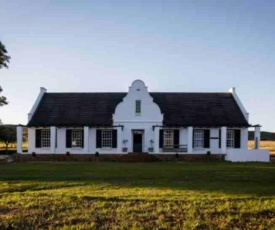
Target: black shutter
(114, 139)
(161, 138)
(220, 138)
(82, 139)
(176, 138)
(237, 138)
(38, 138)
(68, 138)
(206, 138)
(98, 138)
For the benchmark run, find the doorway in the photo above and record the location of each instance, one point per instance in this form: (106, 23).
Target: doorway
(137, 141)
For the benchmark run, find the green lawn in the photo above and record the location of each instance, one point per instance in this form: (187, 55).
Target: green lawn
(137, 196)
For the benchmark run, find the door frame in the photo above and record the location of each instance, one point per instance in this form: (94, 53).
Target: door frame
(142, 138)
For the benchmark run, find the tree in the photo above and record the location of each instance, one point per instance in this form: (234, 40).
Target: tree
(8, 135)
(3, 99)
(4, 58)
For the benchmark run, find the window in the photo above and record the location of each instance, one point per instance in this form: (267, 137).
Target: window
(45, 138)
(168, 138)
(107, 138)
(198, 138)
(138, 107)
(230, 138)
(77, 138)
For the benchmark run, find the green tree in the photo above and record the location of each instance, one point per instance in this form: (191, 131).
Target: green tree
(4, 60)
(7, 135)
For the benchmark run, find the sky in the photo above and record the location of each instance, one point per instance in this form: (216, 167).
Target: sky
(173, 46)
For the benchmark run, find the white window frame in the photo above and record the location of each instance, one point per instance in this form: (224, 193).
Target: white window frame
(230, 138)
(168, 138)
(107, 138)
(45, 138)
(77, 138)
(138, 107)
(198, 138)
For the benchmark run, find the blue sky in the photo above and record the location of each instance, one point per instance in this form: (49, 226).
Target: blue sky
(186, 46)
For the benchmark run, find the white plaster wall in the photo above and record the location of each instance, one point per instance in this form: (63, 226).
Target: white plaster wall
(148, 134)
(242, 155)
(125, 114)
(244, 138)
(61, 144)
(125, 111)
(214, 143)
(183, 136)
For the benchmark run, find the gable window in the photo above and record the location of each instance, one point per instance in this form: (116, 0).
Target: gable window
(168, 138)
(230, 142)
(77, 138)
(198, 138)
(138, 107)
(45, 138)
(107, 138)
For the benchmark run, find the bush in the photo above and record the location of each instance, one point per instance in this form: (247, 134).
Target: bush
(33, 154)
(96, 154)
(67, 153)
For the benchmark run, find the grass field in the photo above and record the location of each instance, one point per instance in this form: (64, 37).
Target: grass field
(264, 145)
(137, 196)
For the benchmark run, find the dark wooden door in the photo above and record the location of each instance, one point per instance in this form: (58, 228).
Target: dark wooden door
(137, 148)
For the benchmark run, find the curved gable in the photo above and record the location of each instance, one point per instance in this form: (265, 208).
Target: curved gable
(126, 110)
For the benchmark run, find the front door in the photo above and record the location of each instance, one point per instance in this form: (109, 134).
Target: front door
(137, 141)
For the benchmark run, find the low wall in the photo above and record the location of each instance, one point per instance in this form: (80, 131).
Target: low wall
(249, 155)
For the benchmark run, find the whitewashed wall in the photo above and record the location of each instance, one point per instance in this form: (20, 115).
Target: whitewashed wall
(125, 114)
(252, 155)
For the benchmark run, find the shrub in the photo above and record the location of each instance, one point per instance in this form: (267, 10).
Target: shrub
(33, 154)
(67, 153)
(96, 154)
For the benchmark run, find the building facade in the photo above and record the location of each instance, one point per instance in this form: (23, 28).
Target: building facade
(140, 121)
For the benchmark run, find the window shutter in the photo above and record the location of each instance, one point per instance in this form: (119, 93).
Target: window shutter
(82, 139)
(161, 138)
(206, 138)
(114, 139)
(237, 138)
(38, 138)
(98, 138)
(220, 138)
(176, 138)
(68, 138)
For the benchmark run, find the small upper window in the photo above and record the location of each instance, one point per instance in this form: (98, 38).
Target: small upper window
(138, 107)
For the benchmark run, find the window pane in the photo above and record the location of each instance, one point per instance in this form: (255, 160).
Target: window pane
(77, 138)
(107, 136)
(168, 138)
(198, 138)
(230, 138)
(45, 138)
(138, 107)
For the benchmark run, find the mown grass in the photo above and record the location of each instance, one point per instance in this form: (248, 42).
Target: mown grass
(137, 196)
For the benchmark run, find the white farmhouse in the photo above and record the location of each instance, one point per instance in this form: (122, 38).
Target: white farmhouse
(142, 122)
